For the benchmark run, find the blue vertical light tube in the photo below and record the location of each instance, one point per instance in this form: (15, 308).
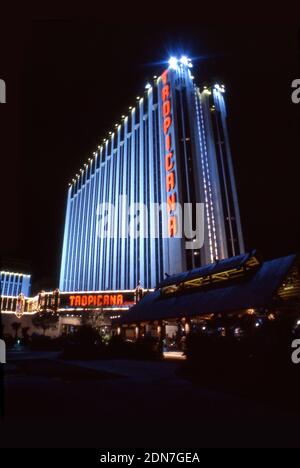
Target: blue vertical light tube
(90, 263)
(99, 237)
(124, 219)
(116, 183)
(220, 104)
(63, 279)
(87, 226)
(141, 254)
(133, 169)
(150, 170)
(84, 194)
(71, 258)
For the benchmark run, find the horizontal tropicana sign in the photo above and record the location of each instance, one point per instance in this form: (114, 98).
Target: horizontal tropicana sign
(97, 300)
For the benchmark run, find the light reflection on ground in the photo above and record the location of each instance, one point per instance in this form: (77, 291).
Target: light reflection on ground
(174, 355)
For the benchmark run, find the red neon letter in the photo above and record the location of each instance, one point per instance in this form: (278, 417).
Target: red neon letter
(119, 299)
(106, 300)
(99, 300)
(90, 300)
(78, 301)
(164, 76)
(112, 300)
(166, 108)
(168, 142)
(167, 124)
(168, 162)
(72, 300)
(171, 202)
(165, 92)
(172, 226)
(170, 181)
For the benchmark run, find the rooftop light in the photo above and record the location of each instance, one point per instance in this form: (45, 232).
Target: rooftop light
(184, 60)
(173, 62)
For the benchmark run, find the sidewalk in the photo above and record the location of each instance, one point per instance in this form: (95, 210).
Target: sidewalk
(134, 369)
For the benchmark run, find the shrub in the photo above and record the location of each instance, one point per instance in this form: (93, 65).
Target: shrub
(44, 343)
(85, 343)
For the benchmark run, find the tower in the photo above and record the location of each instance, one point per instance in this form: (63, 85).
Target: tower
(172, 149)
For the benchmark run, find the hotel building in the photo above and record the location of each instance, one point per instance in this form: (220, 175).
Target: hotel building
(171, 148)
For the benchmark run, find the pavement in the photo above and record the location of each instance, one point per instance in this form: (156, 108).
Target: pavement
(136, 371)
(131, 404)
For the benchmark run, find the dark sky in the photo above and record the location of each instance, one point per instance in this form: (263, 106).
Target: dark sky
(68, 82)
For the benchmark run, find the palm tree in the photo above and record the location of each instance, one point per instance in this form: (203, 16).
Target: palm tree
(25, 334)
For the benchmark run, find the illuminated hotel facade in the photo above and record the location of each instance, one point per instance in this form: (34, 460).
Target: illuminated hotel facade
(171, 148)
(12, 284)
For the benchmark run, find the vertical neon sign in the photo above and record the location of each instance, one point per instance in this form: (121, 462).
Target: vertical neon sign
(169, 154)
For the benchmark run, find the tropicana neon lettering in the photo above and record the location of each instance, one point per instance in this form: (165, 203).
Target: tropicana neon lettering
(95, 300)
(169, 155)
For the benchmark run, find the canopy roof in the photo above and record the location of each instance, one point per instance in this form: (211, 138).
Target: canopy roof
(255, 286)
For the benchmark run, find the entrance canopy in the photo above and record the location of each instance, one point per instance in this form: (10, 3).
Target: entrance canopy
(236, 283)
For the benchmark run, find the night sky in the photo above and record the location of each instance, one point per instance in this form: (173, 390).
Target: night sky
(68, 82)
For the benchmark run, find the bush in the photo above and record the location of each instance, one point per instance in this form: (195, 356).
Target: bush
(44, 343)
(86, 343)
(260, 356)
(148, 347)
(9, 341)
(118, 347)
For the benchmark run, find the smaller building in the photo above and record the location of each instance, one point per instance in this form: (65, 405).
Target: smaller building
(57, 313)
(217, 298)
(13, 284)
